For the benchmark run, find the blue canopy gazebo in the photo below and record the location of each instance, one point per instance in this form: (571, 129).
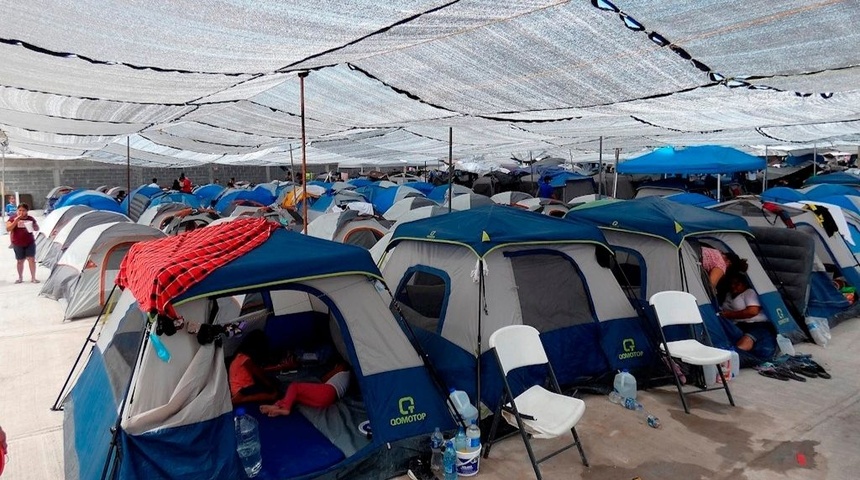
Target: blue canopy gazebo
(694, 160)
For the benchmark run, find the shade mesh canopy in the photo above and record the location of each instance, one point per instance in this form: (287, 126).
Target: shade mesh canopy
(182, 83)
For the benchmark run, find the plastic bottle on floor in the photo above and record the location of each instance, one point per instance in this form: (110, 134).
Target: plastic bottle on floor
(631, 404)
(473, 437)
(625, 384)
(817, 332)
(785, 345)
(437, 441)
(449, 462)
(248, 443)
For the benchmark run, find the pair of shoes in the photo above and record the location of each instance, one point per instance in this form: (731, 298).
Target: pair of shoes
(419, 469)
(810, 364)
(771, 372)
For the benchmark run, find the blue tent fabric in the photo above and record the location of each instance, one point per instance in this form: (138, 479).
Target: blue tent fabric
(90, 198)
(381, 197)
(693, 160)
(842, 201)
(207, 193)
(485, 228)
(793, 161)
(285, 257)
(663, 218)
(262, 197)
(560, 179)
(820, 190)
(191, 200)
(694, 199)
(782, 195)
(423, 187)
(143, 191)
(839, 178)
(360, 182)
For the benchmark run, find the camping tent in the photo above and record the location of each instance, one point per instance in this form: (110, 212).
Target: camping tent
(90, 198)
(304, 293)
(385, 194)
(510, 198)
(460, 277)
(546, 206)
(136, 202)
(838, 178)
(72, 229)
(656, 243)
(400, 207)
(349, 227)
(85, 273)
(52, 223)
(155, 214)
(260, 197)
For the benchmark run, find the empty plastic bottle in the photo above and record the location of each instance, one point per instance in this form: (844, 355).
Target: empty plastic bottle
(631, 404)
(473, 437)
(460, 441)
(437, 441)
(449, 462)
(817, 333)
(460, 399)
(248, 443)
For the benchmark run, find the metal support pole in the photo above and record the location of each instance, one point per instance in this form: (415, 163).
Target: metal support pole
(766, 163)
(4, 141)
(302, 76)
(600, 188)
(814, 159)
(615, 182)
(450, 168)
(128, 167)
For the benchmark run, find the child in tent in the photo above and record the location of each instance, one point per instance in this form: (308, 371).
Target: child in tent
(743, 308)
(249, 381)
(317, 395)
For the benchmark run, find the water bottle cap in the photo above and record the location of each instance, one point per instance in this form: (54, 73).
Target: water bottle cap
(240, 411)
(474, 421)
(452, 390)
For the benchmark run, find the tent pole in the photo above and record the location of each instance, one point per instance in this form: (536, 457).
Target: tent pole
(450, 168)
(128, 167)
(766, 163)
(719, 187)
(615, 182)
(4, 140)
(600, 188)
(302, 76)
(814, 160)
(292, 167)
(482, 298)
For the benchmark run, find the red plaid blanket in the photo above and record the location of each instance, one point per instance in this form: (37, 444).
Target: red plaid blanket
(158, 271)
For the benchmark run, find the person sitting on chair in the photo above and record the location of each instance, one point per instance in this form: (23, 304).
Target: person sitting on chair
(743, 308)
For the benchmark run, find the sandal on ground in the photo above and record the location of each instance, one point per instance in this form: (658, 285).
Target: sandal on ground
(34, 281)
(790, 374)
(772, 373)
(19, 281)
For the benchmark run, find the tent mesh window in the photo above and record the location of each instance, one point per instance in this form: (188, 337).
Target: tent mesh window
(551, 291)
(422, 298)
(627, 268)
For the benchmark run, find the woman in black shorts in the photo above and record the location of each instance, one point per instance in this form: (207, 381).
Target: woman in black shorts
(21, 227)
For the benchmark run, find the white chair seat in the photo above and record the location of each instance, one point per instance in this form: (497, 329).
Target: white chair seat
(554, 414)
(695, 353)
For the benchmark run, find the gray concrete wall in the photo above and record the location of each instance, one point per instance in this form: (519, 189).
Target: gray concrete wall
(38, 177)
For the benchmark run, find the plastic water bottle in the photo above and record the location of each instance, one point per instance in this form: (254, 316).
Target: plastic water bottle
(473, 437)
(160, 350)
(449, 462)
(816, 332)
(631, 404)
(625, 384)
(248, 443)
(785, 345)
(437, 441)
(460, 441)
(464, 405)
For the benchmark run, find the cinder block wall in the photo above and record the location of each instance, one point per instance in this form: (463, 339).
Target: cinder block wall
(38, 177)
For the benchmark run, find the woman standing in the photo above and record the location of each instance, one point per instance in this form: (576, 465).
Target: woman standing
(21, 227)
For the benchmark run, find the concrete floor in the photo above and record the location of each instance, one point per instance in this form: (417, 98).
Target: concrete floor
(760, 439)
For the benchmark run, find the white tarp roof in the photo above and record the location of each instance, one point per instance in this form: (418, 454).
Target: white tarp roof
(194, 82)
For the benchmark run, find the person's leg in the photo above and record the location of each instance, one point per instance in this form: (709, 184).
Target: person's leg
(284, 405)
(736, 335)
(31, 260)
(317, 395)
(20, 267)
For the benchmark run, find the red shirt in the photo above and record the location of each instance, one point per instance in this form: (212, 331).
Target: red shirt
(186, 185)
(20, 236)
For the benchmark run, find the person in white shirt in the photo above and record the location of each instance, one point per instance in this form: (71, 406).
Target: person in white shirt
(154, 183)
(743, 308)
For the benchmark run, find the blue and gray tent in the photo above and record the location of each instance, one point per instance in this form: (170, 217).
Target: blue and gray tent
(461, 276)
(655, 242)
(304, 293)
(91, 198)
(134, 204)
(383, 197)
(231, 196)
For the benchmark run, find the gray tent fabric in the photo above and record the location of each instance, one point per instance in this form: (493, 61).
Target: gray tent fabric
(76, 227)
(787, 256)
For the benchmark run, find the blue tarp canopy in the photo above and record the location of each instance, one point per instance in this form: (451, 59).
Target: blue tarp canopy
(560, 179)
(660, 217)
(693, 160)
(484, 228)
(285, 257)
(839, 178)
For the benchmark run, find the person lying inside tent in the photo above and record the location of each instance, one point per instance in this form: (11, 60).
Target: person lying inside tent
(250, 371)
(334, 385)
(743, 308)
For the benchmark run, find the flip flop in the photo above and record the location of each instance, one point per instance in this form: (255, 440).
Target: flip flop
(771, 373)
(788, 373)
(34, 281)
(19, 281)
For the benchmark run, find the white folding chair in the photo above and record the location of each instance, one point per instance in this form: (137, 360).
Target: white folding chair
(536, 412)
(680, 308)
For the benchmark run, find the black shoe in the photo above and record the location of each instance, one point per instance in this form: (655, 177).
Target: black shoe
(419, 469)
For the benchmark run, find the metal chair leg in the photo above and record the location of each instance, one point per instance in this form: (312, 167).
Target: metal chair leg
(579, 446)
(726, 385)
